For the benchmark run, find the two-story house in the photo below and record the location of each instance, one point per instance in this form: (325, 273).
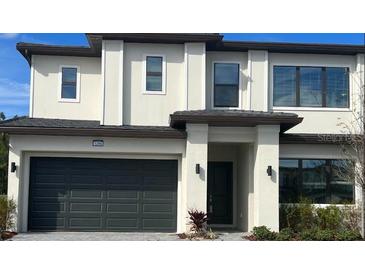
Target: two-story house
(130, 133)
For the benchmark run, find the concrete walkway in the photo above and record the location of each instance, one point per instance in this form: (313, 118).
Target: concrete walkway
(113, 236)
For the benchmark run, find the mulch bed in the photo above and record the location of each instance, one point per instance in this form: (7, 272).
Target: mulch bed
(6, 235)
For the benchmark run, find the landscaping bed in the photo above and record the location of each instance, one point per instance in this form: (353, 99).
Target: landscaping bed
(305, 222)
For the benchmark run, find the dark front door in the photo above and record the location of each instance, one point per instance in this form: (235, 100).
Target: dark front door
(80, 194)
(220, 188)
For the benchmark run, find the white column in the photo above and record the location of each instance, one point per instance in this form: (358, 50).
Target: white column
(14, 182)
(258, 79)
(195, 76)
(266, 188)
(196, 153)
(112, 77)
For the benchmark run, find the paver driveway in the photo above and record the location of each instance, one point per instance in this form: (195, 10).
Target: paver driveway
(113, 236)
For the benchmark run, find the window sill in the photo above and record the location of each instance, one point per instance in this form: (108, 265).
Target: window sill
(149, 92)
(323, 205)
(226, 108)
(69, 101)
(312, 109)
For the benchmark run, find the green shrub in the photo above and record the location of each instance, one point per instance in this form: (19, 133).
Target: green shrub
(348, 235)
(307, 234)
(7, 213)
(351, 217)
(262, 233)
(329, 217)
(298, 216)
(324, 235)
(286, 234)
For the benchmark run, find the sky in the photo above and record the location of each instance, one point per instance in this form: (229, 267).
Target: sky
(15, 74)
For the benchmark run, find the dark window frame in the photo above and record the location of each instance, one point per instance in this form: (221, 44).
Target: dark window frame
(329, 174)
(155, 74)
(69, 83)
(226, 85)
(324, 86)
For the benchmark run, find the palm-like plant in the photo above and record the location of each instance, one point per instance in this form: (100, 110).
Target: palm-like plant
(197, 220)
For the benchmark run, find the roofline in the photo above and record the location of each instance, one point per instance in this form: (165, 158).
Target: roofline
(214, 42)
(275, 47)
(95, 132)
(169, 38)
(180, 121)
(313, 139)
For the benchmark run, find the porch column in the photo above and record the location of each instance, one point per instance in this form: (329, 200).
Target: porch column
(266, 188)
(196, 153)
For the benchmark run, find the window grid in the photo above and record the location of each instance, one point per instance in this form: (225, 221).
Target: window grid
(154, 75)
(235, 86)
(69, 86)
(326, 86)
(329, 193)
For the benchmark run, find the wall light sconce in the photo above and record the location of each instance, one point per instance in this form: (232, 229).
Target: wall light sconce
(197, 169)
(269, 170)
(13, 167)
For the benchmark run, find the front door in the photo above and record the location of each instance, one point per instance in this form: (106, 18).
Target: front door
(220, 188)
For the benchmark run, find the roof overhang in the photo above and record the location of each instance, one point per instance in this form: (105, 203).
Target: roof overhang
(213, 41)
(319, 139)
(59, 127)
(234, 118)
(305, 48)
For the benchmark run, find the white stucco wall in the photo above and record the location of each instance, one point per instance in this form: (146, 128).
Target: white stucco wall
(152, 109)
(47, 82)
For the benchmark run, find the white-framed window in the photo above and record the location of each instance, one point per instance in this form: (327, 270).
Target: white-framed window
(226, 85)
(69, 84)
(154, 74)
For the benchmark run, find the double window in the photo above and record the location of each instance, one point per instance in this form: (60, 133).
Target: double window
(69, 84)
(226, 85)
(311, 87)
(321, 181)
(154, 78)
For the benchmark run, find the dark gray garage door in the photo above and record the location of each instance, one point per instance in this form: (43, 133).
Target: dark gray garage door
(83, 194)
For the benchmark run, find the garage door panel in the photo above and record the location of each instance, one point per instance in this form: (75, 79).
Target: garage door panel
(86, 180)
(158, 208)
(158, 195)
(85, 223)
(52, 223)
(49, 193)
(46, 179)
(121, 180)
(44, 206)
(81, 194)
(119, 194)
(130, 208)
(85, 207)
(86, 194)
(122, 224)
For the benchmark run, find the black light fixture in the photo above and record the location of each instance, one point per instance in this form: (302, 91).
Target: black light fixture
(197, 169)
(269, 170)
(13, 167)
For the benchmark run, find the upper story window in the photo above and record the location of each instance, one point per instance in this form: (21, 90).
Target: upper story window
(226, 85)
(154, 74)
(69, 91)
(321, 181)
(311, 87)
